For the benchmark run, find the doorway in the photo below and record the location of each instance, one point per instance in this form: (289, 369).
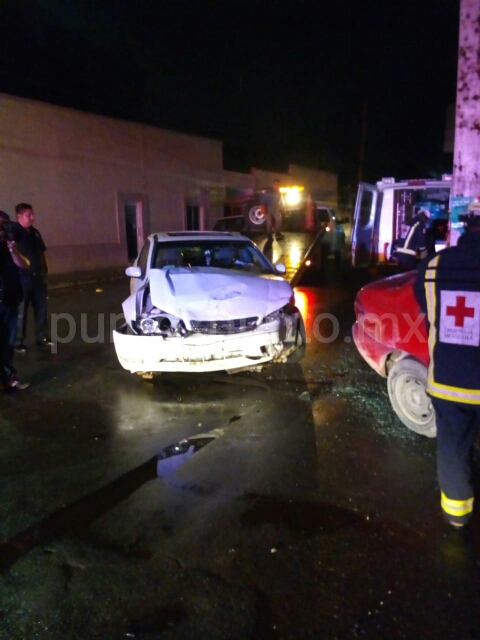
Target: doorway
(133, 220)
(131, 230)
(192, 217)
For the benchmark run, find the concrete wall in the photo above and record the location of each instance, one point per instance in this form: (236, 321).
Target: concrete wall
(79, 170)
(238, 185)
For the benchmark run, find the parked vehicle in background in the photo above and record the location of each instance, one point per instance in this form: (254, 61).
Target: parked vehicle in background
(294, 202)
(230, 223)
(207, 301)
(391, 335)
(329, 241)
(326, 224)
(383, 210)
(330, 229)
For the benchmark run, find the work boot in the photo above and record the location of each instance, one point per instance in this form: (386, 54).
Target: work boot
(46, 343)
(20, 348)
(12, 383)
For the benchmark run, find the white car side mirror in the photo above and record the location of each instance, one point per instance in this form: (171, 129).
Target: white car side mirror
(281, 269)
(133, 272)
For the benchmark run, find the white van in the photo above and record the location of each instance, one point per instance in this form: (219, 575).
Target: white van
(383, 210)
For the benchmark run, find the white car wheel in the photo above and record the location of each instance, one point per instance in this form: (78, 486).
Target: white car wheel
(407, 383)
(255, 215)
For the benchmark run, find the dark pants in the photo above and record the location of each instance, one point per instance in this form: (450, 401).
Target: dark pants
(34, 292)
(457, 429)
(8, 331)
(273, 220)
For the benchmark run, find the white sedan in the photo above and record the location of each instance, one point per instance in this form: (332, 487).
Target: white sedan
(207, 301)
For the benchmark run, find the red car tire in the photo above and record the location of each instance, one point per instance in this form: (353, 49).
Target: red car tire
(407, 383)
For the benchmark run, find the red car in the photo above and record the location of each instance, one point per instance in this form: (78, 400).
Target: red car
(391, 334)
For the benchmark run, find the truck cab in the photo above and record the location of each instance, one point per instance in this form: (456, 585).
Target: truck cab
(384, 210)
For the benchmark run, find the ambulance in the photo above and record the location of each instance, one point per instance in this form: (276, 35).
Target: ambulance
(384, 210)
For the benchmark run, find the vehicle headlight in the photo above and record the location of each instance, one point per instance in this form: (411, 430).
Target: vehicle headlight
(159, 323)
(148, 326)
(275, 315)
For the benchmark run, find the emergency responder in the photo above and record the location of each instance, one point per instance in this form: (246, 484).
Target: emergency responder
(448, 290)
(414, 246)
(11, 262)
(272, 204)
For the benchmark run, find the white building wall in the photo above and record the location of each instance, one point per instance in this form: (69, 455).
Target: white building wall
(78, 169)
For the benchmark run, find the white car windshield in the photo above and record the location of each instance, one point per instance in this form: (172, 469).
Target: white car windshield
(220, 254)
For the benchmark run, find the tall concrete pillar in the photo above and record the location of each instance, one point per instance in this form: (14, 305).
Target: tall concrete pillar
(466, 157)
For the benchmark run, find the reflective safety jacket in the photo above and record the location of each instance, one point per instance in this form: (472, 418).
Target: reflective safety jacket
(448, 290)
(415, 241)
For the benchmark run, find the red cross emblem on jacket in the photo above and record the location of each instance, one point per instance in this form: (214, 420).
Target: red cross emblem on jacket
(460, 311)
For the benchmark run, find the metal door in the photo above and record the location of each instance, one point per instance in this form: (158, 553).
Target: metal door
(363, 250)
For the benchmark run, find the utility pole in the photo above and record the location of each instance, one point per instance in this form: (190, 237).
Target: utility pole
(466, 152)
(466, 156)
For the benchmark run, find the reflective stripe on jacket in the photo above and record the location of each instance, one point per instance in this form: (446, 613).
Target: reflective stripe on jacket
(415, 239)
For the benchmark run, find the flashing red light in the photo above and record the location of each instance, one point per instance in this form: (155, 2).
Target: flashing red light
(302, 303)
(416, 183)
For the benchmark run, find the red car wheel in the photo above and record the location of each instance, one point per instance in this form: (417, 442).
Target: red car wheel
(407, 383)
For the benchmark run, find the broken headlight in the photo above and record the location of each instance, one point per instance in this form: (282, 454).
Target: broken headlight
(159, 323)
(275, 315)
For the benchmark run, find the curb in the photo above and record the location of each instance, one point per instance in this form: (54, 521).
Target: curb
(83, 280)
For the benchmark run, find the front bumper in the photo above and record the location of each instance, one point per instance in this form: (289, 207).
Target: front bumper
(198, 352)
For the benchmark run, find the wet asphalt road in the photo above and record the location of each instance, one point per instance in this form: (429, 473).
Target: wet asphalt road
(314, 515)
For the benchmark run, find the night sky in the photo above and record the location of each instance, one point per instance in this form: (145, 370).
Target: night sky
(278, 81)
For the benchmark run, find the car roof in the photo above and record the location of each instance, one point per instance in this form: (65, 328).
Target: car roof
(174, 236)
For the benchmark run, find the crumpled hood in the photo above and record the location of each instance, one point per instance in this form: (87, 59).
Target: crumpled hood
(200, 293)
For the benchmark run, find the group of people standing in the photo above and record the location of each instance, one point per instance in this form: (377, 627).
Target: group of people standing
(23, 282)
(447, 288)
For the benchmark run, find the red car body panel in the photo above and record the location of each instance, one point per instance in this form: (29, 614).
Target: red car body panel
(389, 322)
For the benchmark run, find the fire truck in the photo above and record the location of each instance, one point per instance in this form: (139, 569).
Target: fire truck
(384, 210)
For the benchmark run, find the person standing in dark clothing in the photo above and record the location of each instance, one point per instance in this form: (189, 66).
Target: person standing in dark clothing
(271, 204)
(414, 246)
(448, 291)
(34, 281)
(11, 262)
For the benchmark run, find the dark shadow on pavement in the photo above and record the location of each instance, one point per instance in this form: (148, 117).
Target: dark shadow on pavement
(77, 516)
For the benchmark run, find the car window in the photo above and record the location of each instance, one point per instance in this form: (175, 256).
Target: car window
(222, 254)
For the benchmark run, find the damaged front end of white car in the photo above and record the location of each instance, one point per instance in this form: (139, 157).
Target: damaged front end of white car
(186, 319)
